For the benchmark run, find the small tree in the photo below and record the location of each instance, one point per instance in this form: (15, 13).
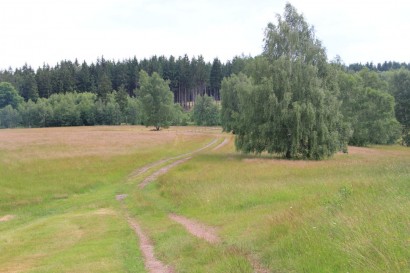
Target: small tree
(9, 117)
(232, 89)
(157, 100)
(9, 95)
(205, 111)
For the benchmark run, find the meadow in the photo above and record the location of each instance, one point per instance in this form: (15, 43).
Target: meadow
(59, 213)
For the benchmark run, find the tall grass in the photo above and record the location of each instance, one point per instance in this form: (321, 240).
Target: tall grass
(347, 214)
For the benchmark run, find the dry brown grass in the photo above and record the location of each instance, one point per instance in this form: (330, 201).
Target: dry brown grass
(45, 143)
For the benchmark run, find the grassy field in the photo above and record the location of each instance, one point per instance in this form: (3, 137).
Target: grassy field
(58, 188)
(58, 185)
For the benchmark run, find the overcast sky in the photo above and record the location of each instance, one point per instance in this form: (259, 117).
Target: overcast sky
(47, 31)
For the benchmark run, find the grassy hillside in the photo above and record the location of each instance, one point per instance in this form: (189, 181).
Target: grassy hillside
(58, 188)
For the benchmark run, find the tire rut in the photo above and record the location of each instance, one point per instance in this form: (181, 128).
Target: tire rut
(152, 264)
(149, 166)
(210, 235)
(223, 143)
(161, 171)
(197, 229)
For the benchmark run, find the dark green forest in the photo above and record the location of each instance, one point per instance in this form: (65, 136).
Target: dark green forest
(371, 101)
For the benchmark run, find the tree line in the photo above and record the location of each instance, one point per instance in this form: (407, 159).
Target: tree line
(152, 105)
(381, 67)
(187, 77)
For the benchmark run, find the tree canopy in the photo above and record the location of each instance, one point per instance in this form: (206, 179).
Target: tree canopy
(205, 111)
(157, 100)
(291, 109)
(400, 89)
(9, 95)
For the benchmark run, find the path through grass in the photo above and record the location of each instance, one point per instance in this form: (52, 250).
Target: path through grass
(58, 189)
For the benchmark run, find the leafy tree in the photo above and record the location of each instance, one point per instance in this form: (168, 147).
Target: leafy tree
(372, 79)
(232, 90)
(9, 95)
(156, 100)
(9, 117)
(36, 114)
(181, 117)
(369, 111)
(65, 111)
(86, 107)
(205, 111)
(293, 111)
(400, 88)
(133, 113)
(113, 114)
(121, 97)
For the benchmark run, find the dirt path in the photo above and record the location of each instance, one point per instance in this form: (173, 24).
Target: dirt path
(223, 143)
(161, 171)
(149, 166)
(197, 229)
(6, 218)
(152, 264)
(209, 234)
(183, 158)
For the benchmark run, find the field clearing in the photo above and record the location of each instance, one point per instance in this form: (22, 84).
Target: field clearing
(59, 213)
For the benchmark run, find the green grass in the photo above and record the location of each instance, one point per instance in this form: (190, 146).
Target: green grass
(346, 214)
(63, 200)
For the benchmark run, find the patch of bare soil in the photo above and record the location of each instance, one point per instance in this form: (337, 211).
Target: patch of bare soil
(152, 264)
(120, 197)
(6, 218)
(161, 171)
(197, 229)
(223, 143)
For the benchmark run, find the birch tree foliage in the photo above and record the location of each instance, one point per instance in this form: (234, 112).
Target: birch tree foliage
(157, 100)
(292, 108)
